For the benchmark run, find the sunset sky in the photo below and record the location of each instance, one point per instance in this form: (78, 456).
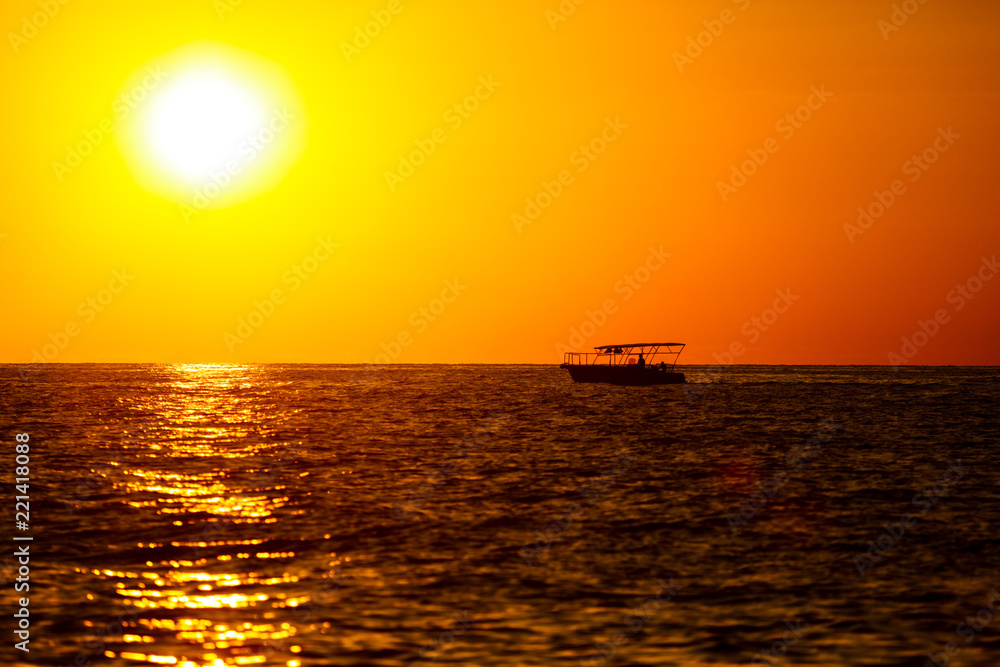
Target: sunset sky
(478, 181)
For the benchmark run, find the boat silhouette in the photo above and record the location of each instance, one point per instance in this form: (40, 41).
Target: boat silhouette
(631, 364)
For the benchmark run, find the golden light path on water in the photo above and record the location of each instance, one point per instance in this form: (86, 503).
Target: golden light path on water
(298, 515)
(200, 464)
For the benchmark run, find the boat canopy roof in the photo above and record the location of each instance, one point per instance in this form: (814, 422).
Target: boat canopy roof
(625, 355)
(632, 345)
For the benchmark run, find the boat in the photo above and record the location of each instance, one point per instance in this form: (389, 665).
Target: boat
(632, 364)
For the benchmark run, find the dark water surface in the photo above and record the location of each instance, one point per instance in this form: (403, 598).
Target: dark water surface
(503, 515)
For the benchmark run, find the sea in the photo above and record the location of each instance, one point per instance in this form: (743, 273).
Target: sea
(300, 515)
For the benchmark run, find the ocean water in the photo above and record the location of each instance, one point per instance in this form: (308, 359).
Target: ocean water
(504, 515)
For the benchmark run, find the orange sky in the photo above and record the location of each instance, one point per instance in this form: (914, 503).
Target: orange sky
(623, 131)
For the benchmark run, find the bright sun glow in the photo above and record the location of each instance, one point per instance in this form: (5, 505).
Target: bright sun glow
(196, 124)
(209, 126)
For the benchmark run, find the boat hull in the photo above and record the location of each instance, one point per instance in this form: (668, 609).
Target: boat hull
(622, 375)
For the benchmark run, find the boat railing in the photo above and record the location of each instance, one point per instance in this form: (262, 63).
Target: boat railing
(582, 358)
(614, 359)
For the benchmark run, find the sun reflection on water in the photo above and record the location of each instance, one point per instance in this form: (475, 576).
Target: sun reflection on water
(215, 593)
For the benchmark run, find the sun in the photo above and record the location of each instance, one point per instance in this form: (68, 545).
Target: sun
(209, 125)
(196, 123)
